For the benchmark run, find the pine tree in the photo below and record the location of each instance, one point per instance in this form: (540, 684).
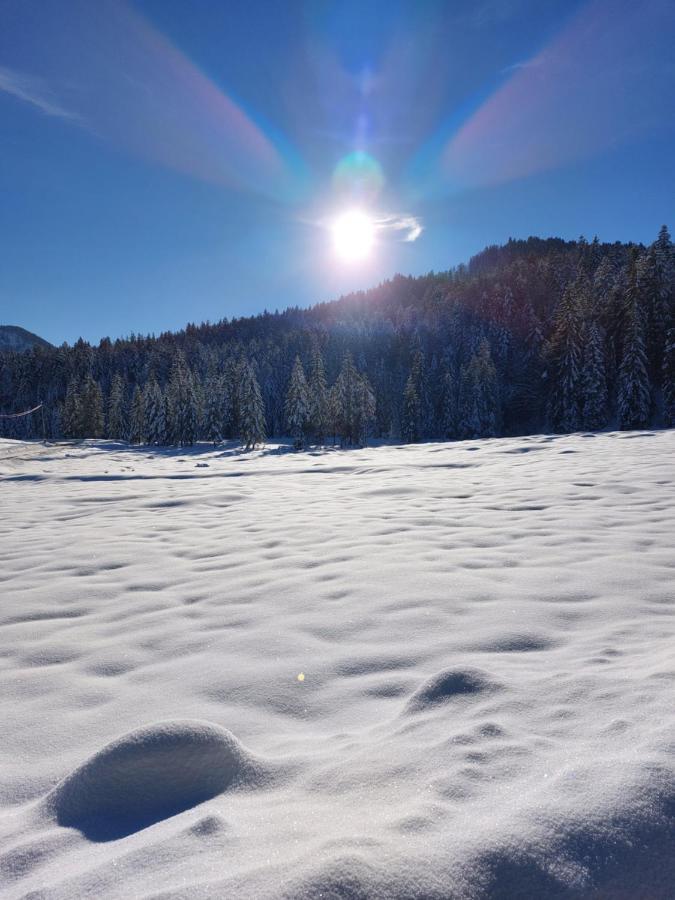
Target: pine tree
(296, 407)
(318, 398)
(593, 381)
(410, 423)
(480, 395)
(669, 380)
(117, 426)
(251, 409)
(137, 418)
(91, 409)
(565, 355)
(155, 425)
(634, 393)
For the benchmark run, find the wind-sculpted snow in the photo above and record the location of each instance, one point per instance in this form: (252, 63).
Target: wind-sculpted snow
(437, 671)
(149, 775)
(448, 685)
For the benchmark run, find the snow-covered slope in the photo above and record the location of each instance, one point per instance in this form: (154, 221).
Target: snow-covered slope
(436, 671)
(17, 339)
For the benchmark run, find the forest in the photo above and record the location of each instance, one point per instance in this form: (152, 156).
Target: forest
(533, 336)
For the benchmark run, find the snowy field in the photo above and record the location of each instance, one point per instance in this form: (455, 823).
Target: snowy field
(403, 672)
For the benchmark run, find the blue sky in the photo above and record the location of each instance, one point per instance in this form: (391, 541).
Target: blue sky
(166, 161)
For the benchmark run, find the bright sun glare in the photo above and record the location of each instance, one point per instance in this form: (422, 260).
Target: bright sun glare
(353, 235)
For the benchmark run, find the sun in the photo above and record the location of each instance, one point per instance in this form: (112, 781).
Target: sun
(353, 235)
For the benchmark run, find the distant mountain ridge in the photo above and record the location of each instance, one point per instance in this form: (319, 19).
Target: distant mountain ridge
(17, 339)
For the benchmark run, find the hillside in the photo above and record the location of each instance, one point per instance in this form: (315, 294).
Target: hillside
(402, 672)
(17, 340)
(536, 335)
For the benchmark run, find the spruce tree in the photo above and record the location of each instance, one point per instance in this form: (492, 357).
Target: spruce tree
(420, 383)
(633, 389)
(155, 425)
(593, 381)
(366, 409)
(354, 403)
(449, 421)
(137, 428)
(296, 407)
(318, 398)
(116, 425)
(565, 357)
(652, 312)
(71, 417)
(214, 408)
(480, 395)
(91, 409)
(669, 380)
(333, 412)
(410, 422)
(181, 404)
(231, 385)
(664, 253)
(251, 409)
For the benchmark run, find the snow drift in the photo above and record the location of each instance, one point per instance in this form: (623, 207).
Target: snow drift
(149, 775)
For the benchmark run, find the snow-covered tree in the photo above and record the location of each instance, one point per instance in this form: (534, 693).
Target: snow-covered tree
(662, 309)
(213, 426)
(251, 409)
(565, 363)
(410, 421)
(181, 404)
(71, 416)
(633, 393)
(354, 403)
(155, 425)
(480, 395)
(117, 420)
(449, 412)
(91, 409)
(297, 407)
(594, 410)
(669, 380)
(137, 429)
(318, 398)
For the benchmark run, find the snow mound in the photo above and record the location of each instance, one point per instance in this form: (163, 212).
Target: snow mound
(149, 775)
(448, 685)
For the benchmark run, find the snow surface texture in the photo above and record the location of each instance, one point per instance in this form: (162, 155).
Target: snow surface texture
(434, 672)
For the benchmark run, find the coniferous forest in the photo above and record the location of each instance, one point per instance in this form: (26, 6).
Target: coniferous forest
(536, 335)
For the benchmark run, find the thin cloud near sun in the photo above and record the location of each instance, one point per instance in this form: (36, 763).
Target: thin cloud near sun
(409, 226)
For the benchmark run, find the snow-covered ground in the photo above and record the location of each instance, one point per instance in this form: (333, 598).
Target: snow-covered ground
(435, 671)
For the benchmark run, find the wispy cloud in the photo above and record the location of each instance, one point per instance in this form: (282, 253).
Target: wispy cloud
(34, 91)
(409, 227)
(524, 64)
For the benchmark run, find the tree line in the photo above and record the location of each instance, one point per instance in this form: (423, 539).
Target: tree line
(534, 335)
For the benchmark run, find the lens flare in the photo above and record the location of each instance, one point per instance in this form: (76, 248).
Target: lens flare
(353, 235)
(358, 176)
